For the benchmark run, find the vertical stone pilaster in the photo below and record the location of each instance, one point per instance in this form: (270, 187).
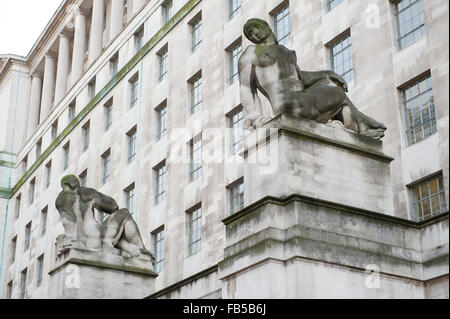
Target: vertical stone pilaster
(63, 67)
(48, 86)
(116, 18)
(35, 103)
(79, 45)
(96, 40)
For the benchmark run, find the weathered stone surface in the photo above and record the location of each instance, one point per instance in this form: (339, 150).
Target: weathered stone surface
(317, 160)
(302, 247)
(81, 274)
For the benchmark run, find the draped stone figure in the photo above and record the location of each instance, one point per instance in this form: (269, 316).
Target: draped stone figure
(272, 69)
(117, 234)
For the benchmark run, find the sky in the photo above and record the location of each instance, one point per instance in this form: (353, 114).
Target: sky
(22, 22)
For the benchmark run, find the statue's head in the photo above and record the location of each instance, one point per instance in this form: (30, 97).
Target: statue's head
(70, 183)
(258, 31)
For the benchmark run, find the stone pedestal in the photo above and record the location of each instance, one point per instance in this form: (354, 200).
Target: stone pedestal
(323, 161)
(317, 223)
(82, 274)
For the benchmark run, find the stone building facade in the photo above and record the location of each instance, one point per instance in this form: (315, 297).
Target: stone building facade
(128, 94)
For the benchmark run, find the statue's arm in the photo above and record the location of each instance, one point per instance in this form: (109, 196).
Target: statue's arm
(310, 78)
(102, 202)
(248, 85)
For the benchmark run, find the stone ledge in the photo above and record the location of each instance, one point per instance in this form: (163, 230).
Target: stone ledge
(348, 209)
(328, 134)
(105, 261)
(304, 227)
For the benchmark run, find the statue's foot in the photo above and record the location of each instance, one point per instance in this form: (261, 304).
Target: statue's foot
(146, 252)
(372, 129)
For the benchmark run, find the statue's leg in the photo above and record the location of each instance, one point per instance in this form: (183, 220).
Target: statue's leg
(357, 121)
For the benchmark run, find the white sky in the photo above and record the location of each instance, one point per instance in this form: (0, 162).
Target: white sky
(22, 22)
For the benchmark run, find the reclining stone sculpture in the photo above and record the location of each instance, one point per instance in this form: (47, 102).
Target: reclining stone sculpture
(118, 234)
(272, 69)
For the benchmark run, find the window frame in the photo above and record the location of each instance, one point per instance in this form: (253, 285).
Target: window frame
(132, 139)
(348, 75)
(438, 178)
(106, 166)
(196, 26)
(276, 13)
(432, 122)
(421, 27)
(158, 248)
(196, 93)
(232, 208)
(195, 169)
(194, 217)
(232, 10)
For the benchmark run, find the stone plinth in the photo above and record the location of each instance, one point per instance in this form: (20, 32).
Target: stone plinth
(82, 274)
(318, 222)
(323, 161)
(301, 247)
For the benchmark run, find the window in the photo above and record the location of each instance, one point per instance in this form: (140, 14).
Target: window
(66, 153)
(91, 89)
(158, 240)
(236, 196)
(160, 182)
(428, 198)
(31, 190)
(196, 93)
(44, 213)
(55, 130)
(196, 33)
(83, 178)
(195, 230)
(282, 25)
(234, 54)
(13, 249)
(134, 90)
(235, 7)
(236, 120)
(163, 57)
(418, 109)
(139, 39)
(410, 22)
(18, 202)
(23, 283)
(24, 164)
(27, 236)
(108, 114)
(331, 4)
(38, 148)
(86, 132)
(106, 159)
(341, 57)
(162, 121)
(39, 270)
(9, 290)
(48, 174)
(167, 8)
(195, 169)
(114, 64)
(71, 111)
(129, 199)
(132, 135)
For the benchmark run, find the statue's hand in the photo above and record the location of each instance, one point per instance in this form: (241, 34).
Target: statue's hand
(339, 80)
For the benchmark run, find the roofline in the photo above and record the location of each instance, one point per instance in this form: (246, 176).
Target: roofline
(47, 27)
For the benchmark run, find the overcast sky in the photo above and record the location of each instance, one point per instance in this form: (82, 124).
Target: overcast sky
(21, 23)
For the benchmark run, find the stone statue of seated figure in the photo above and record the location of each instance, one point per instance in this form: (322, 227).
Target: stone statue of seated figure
(117, 234)
(272, 69)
